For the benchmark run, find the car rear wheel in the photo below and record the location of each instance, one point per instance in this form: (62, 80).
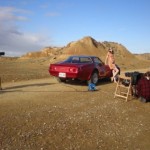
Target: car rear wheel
(94, 78)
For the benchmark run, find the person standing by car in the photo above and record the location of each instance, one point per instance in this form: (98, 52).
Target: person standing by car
(110, 60)
(143, 88)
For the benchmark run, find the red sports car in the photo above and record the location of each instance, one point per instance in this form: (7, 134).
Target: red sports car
(84, 68)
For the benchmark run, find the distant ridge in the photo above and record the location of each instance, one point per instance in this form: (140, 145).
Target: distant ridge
(89, 46)
(145, 56)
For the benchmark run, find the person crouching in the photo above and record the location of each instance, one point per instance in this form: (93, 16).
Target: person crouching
(143, 88)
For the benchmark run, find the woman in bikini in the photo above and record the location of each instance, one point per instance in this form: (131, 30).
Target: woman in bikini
(110, 60)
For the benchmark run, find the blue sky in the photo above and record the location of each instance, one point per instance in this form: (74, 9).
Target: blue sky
(27, 25)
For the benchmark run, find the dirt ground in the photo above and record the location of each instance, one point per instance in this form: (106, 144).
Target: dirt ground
(42, 114)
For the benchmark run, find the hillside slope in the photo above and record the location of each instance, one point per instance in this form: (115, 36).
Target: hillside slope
(145, 56)
(89, 46)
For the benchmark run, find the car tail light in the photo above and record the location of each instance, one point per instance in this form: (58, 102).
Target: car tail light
(73, 70)
(52, 67)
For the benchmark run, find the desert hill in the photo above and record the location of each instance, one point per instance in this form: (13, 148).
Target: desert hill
(85, 46)
(89, 46)
(35, 65)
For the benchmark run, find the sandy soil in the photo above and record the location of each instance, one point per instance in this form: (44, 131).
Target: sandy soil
(42, 114)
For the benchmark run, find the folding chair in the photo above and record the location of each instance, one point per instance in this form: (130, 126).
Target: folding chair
(123, 88)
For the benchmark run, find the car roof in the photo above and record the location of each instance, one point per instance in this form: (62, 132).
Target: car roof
(83, 56)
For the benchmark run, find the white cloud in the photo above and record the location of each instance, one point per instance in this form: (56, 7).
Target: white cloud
(9, 14)
(16, 43)
(13, 41)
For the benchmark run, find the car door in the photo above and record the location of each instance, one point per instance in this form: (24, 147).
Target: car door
(102, 68)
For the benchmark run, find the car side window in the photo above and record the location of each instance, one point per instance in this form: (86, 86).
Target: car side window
(97, 60)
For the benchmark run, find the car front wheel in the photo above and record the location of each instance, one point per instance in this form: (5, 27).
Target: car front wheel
(94, 78)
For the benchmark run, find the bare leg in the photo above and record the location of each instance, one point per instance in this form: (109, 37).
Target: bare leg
(115, 72)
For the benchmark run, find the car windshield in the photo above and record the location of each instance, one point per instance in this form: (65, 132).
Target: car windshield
(77, 59)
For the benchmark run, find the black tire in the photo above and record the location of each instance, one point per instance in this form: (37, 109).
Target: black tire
(108, 79)
(94, 78)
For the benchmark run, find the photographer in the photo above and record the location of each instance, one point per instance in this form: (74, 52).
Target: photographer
(143, 88)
